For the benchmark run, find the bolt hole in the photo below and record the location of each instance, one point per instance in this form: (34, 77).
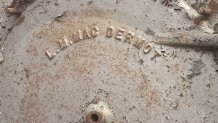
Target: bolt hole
(94, 117)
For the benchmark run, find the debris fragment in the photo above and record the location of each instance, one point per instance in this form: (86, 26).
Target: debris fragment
(18, 6)
(13, 11)
(117, 1)
(58, 18)
(89, 2)
(27, 71)
(196, 68)
(150, 32)
(195, 16)
(206, 11)
(167, 2)
(141, 61)
(187, 39)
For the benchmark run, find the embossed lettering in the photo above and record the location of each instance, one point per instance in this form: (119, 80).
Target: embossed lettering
(86, 34)
(77, 36)
(94, 31)
(119, 34)
(110, 31)
(50, 56)
(147, 48)
(129, 37)
(139, 42)
(63, 43)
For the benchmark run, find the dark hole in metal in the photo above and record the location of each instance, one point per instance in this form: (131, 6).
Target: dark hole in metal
(94, 117)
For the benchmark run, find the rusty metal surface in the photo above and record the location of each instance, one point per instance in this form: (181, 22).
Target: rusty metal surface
(48, 77)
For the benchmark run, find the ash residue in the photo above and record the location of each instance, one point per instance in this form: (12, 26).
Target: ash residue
(196, 68)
